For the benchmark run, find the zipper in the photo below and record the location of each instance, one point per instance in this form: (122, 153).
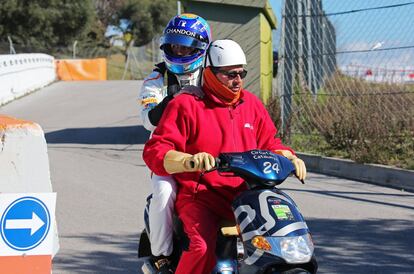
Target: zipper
(197, 185)
(232, 126)
(196, 191)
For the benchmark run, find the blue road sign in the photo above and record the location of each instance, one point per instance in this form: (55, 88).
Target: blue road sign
(25, 223)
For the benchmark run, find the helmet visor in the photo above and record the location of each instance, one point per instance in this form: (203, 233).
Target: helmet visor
(182, 59)
(182, 40)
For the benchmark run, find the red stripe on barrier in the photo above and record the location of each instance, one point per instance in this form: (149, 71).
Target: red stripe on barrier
(36, 264)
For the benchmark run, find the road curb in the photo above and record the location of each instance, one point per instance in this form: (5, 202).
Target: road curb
(401, 179)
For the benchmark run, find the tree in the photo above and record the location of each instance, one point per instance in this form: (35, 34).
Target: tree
(148, 17)
(74, 22)
(52, 25)
(44, 25)
(107, 10)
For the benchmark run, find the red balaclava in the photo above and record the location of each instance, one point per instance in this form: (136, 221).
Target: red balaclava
(213, 85)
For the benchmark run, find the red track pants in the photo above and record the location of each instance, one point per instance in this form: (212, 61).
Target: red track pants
(201, 226)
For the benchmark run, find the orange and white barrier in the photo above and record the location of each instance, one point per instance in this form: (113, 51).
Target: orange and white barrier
(81, 69)
(23, 73)
(28, 234)
(23, 157)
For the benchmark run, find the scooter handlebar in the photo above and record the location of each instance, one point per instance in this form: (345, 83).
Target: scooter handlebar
(222, 166)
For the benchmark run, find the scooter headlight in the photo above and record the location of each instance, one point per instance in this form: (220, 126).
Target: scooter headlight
(298, 249)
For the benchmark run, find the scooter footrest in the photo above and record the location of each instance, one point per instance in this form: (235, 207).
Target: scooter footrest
(229, 231)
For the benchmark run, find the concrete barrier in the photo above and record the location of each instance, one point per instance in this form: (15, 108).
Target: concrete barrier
(24, 163)
(23, 157)
(371, 173)
(23, 73)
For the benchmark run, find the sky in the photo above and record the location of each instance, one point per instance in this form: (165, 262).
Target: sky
(384, 28)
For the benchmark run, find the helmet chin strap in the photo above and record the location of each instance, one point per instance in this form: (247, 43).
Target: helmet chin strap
(189, 79)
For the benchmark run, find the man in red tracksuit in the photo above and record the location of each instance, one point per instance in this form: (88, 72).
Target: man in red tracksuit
(194, 130)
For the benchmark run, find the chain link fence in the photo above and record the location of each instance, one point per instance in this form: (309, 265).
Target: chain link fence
(139, 61)
(345, 82)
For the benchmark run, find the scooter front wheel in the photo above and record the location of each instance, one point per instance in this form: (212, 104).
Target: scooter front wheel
(290, 271)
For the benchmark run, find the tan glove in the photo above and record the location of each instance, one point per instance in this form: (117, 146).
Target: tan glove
(203, 161)
(299, 164)
(177, 162)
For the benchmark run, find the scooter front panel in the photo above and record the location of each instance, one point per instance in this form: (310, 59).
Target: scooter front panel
(265, 212)
(268, 213)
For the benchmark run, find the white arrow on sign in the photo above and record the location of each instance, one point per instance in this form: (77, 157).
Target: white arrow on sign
(34, 224)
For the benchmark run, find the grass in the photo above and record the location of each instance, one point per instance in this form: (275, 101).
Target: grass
(136, 70)
(116, 68)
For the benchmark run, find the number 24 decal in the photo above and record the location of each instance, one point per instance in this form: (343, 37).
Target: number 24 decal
(268, 167)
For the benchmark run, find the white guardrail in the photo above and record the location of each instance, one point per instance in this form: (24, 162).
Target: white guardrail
(23, 73)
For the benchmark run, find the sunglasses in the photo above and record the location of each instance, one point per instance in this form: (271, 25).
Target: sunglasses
(231, 74)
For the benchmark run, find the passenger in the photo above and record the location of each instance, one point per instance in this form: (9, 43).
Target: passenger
(183, 44)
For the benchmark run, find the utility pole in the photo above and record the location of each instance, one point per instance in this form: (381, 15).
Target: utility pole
(12, 51)
(178, 7)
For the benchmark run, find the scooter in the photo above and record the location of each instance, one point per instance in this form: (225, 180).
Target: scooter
(270, 236)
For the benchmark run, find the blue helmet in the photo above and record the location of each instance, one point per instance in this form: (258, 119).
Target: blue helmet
(187, 30)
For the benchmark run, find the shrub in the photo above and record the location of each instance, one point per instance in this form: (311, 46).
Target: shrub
(366, 122)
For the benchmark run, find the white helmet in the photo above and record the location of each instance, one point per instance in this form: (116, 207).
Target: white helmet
(222, 53)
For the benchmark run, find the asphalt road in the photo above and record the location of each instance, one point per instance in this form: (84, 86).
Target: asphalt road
(95, 141)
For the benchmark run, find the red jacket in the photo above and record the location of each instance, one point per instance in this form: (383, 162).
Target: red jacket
(191, 124)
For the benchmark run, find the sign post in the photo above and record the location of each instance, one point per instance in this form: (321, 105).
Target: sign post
(27, 232)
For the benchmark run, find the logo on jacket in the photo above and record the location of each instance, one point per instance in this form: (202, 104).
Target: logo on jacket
(248, 125)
